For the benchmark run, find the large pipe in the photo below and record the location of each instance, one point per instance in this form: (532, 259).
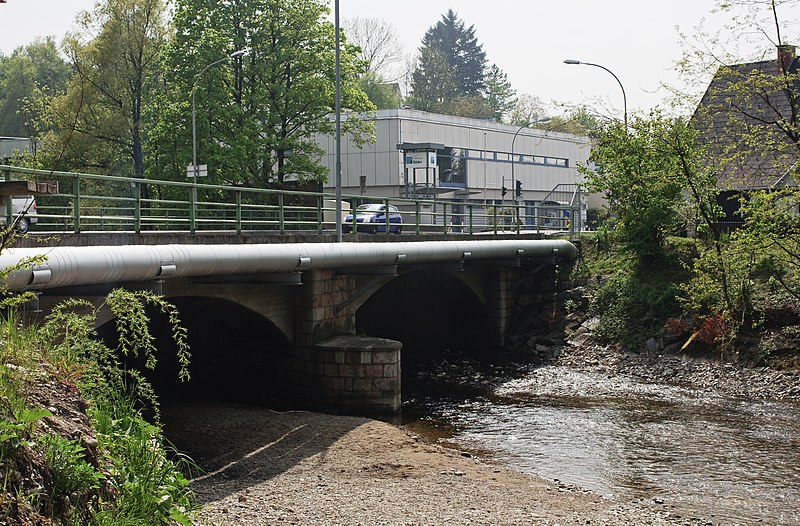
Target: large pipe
(71, 266)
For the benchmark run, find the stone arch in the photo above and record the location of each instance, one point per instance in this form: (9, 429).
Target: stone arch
(237, 354)
(426, 311)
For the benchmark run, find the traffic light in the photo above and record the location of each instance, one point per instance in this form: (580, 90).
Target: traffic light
(503, 192)
(519, 189)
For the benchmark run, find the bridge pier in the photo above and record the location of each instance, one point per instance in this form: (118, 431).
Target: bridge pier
(333, 368)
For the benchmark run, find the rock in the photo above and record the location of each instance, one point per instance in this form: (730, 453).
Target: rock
(652, 345)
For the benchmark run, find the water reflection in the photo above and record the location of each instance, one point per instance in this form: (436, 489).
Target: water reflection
(733, 461)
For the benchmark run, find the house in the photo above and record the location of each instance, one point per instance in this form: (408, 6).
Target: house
(748, 121)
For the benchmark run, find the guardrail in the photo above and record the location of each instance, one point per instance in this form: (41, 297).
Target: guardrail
(93, 203)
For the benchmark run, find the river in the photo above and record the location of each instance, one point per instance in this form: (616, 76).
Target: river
(727, 460)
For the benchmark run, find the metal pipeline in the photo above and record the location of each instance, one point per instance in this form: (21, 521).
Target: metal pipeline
(71, 266)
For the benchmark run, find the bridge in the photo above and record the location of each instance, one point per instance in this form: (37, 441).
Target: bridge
(320, 322)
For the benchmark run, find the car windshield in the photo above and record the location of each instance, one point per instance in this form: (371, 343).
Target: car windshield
(370, 208)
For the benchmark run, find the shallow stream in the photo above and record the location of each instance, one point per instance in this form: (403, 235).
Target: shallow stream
(696, 454)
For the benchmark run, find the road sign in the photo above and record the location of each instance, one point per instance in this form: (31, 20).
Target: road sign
(202, 170)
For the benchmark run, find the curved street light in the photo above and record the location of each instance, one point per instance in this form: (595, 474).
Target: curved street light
(624, 97)
(195, 168)
(513, 142)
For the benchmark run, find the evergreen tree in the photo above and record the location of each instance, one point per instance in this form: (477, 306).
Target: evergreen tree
(451, 64)
(432, 81)
(500, 96)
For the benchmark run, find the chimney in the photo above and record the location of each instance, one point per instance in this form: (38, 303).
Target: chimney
(786, 54)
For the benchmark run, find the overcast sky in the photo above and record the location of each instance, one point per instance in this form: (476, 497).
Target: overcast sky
(528, 39)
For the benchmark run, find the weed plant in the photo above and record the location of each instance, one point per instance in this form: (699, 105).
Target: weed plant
(134, 480)
(631, 297)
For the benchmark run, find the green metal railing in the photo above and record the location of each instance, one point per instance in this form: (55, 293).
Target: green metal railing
(94, 203)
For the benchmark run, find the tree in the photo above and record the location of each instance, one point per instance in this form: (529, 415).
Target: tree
(451, 64)
(577, 122)
(115, 57)
(527, 109)
(257, 116)
(379, 44)
(380, 93)
(380, 50)
(500, 96)
(748, 125)
(28, 76)
(461, 50)
(432, 82)
(640, 179)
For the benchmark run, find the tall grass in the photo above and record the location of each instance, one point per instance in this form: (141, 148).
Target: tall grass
(133, 481)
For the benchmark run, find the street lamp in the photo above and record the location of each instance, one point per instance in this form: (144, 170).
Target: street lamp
(338, 166)
(514, 140)
(195, 168)
(624, 98)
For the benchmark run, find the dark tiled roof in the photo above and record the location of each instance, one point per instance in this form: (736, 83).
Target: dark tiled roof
(740, 118)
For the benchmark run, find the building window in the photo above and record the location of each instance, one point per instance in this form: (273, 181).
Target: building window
(452, 167)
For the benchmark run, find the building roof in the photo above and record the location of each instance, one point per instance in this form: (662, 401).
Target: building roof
(748, 121)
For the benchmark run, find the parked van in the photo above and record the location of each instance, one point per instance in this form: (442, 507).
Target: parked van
(22, 206)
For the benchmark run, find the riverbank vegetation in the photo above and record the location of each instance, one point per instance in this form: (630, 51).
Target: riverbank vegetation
(75, 446)
(664, 262)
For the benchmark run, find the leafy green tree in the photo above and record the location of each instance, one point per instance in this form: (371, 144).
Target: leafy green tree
(577, 122)
(640, 179)
(30, 75)
(115, 58)
(381, 93)
(500, 96)
(257, 115)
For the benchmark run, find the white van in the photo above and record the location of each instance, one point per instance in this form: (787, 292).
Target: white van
(22, 206)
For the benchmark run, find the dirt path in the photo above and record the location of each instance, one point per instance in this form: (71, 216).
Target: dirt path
(265, 467)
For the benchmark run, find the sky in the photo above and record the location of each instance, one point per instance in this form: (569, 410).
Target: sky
(528, 39)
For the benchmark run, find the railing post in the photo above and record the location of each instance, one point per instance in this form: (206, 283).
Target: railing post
(137, 207)
(445, 225)
(417, 216)
(471, 224)
(76, 204)
(9, 201)
(280, 213)
(238, 197)
(386, 214)
(320, 213)
(193, 207)
(494, 217)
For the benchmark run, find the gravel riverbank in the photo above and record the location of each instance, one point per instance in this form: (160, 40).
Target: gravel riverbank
(265, 467)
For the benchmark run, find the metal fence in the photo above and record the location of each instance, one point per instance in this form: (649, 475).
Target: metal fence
(104, 203)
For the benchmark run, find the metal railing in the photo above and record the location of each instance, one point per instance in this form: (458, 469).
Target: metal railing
(105, 203)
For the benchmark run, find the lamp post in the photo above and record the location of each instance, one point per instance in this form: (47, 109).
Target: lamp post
(338, 167)
(624, 98)
(513, 162)
(195, 168)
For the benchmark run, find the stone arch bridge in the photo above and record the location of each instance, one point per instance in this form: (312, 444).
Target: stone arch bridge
(324, 324)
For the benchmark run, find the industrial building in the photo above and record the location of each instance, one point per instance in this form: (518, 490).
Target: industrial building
(425, 155)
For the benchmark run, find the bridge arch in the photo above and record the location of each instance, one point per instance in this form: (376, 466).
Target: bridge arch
(427, 311)
(237, 354)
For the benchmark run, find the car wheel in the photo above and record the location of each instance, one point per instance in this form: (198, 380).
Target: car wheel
(22, 226)
(398, 230)
(372, 230)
